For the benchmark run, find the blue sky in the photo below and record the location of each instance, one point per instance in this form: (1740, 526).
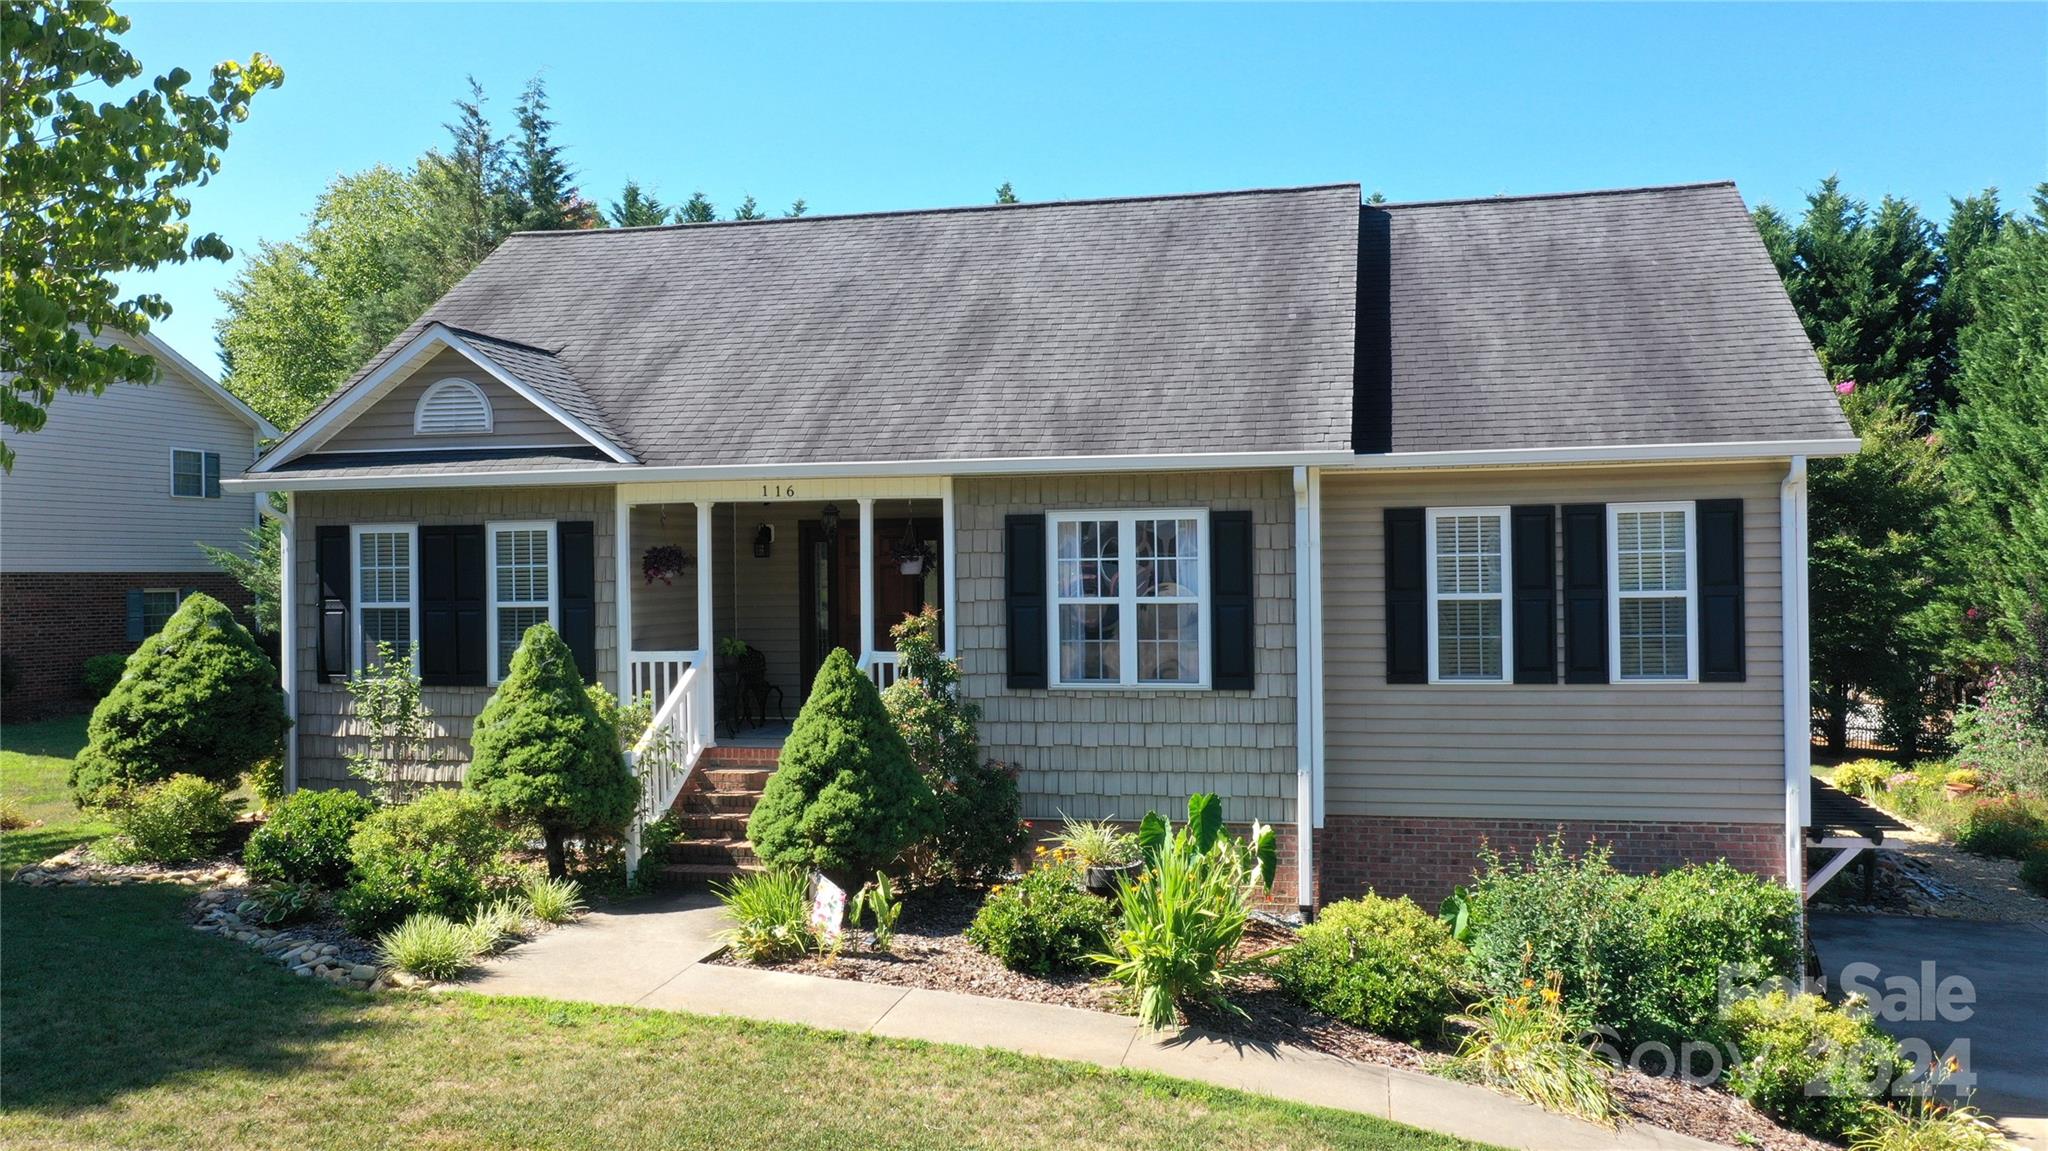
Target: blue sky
(860, 108)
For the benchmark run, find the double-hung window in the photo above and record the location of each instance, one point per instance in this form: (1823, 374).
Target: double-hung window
(195, 474)
(1470, 614)
(386, 590)
(158, 606)
(1652, 573)
(1130, 598)
(522, 587)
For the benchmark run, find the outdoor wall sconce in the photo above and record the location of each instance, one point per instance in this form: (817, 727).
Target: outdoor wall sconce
(830, 518)
(764, 538)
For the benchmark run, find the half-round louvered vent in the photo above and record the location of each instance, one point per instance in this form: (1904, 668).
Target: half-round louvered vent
(452, 408)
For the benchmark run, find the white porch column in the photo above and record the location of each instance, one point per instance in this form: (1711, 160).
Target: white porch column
(949, 601)
(707, 643)
(1306, 672)
(1798, 718)
(287, 628)
(867, 577)
(622, 590)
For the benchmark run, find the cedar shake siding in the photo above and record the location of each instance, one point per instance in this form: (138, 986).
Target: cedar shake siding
(325, 732)
(1678, 752)
(387, 424)
(1121, 751)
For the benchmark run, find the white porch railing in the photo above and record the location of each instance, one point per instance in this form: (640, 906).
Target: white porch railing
(882, 667)
(667, 754)
(656, 672)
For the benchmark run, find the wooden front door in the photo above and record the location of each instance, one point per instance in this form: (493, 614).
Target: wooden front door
(828, 587)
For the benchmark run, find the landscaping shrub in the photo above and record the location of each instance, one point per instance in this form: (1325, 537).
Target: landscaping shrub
(2005, 732)
(979, 830)
(1525, 1043)
(198, 697)
(277, 904)
(770, 913)
(552, 900)
(1043, 922)
(436, 854)
(384, 703)
(1700, 921)
(266, 779)
(1383, 964)
(306, 839)
(1182, 919)
(101, 672)
(845, 798)
(543, 754)
(2034, 869)
(1556, 912)
(1864, 777)
(429, 945)
(2006, 827)
(1807, 1063)
(176, 821)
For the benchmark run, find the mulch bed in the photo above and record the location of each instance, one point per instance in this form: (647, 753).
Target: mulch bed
(930, 952)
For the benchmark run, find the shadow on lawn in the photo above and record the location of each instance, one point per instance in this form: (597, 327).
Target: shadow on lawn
(105, 990)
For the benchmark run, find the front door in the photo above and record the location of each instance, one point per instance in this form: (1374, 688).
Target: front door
(828, 586)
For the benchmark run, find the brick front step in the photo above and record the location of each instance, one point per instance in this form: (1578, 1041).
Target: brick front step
(722, 756)
(695, 802)
(751, 779)
(725, 850)
(700, 874)
(713, 825)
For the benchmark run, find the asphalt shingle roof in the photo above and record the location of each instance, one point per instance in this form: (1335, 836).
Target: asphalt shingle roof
(546, 373)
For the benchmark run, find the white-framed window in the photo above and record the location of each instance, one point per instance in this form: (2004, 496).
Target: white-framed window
(386, 589)
(1130, 598)
(158, 606)
(452, 407)
(195, 474)
(523, 586)
(1652, 571)
(1471, 615)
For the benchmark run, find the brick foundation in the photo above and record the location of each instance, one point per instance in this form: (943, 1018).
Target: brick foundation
(56, 620)
(1425, 858)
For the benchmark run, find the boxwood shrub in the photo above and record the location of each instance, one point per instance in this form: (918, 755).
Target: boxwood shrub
(1043, 922)
(306, 840)
(437, 853)
(1383, 964)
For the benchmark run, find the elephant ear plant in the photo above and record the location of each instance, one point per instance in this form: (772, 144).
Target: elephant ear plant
(1183, 917)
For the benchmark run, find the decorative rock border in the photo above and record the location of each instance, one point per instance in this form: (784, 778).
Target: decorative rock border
(311, 950)
(78, 868)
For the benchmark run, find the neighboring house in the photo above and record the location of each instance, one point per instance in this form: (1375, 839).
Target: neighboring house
(101, 519)
(1402, 527)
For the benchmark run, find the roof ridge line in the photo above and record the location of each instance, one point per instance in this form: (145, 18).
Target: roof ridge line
(953, 210)
(1502, 199)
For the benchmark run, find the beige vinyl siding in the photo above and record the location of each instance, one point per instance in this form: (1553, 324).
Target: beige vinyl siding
(1099, 752)
(756, 598)
(664, 615)
(91, 491)
(387, 422)
(1564, 751)
(326, 731)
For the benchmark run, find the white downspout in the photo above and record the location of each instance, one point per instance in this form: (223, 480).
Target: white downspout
(1306, 626)
(1798, 702)
(287, 628)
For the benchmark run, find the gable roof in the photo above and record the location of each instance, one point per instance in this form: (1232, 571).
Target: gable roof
(1637, 317)
(192, 374)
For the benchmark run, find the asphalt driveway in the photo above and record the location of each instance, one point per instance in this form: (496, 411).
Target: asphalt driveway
(2005, 1020)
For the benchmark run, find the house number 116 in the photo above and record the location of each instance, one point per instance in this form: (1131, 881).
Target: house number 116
(778, 491)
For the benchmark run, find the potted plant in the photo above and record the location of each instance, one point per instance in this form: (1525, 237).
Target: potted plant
(731, 650)
(1105, 852)
(1962, 781)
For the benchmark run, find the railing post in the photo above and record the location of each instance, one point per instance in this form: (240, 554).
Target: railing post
(639, 815)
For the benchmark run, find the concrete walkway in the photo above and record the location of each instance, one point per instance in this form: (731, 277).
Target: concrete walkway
(651, 955)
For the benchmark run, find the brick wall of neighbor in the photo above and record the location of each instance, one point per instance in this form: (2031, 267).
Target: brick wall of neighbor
(1121, 751)
(1424, 857)
(57, 620)
(326, 733)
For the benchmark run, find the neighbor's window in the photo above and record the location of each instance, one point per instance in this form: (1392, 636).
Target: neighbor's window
(522, 587)
(158, 606)
(1128, 591)
(195, 474)
(385, 590)
(1468, 603)
(1652, 581)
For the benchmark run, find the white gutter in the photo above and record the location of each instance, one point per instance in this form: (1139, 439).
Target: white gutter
(287, 633)
(1307, 674)
(1609, 454)
(1798, 714)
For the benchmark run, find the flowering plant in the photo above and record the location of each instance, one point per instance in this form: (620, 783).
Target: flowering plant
(665, 562)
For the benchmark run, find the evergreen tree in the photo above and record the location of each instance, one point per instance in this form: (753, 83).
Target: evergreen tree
(543, 186)
(979, 830)
(1973, 227)
(636, 209)
(748, 210)
(542, 754)
(1006, 194)
(471, 185)
(797, 207)
(696, 210)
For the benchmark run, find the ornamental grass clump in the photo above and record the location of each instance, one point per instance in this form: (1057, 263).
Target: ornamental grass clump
(1182, 918)
(552, 900)
(1528, 1045)
(430, 946)
(770, 913)
(1382, 964)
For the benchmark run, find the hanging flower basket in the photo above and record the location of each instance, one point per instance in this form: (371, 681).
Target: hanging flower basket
(912, 556)
(667, 563)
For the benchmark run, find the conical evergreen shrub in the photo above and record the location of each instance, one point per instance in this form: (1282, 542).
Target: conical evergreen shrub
(845, 799)
(197, 698)
(541, 753)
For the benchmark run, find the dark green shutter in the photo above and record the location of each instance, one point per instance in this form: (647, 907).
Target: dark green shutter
(1407, 597)
(1719, 525)
(453, 637)
(1230, 597)
(576, 549)
(331, 566)
(1535, 593)
(1585, 593)
(137, 627)
(1024, 598)
(209, 468)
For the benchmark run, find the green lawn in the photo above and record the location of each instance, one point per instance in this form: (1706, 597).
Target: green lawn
(35, 770)
(124, 1028)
